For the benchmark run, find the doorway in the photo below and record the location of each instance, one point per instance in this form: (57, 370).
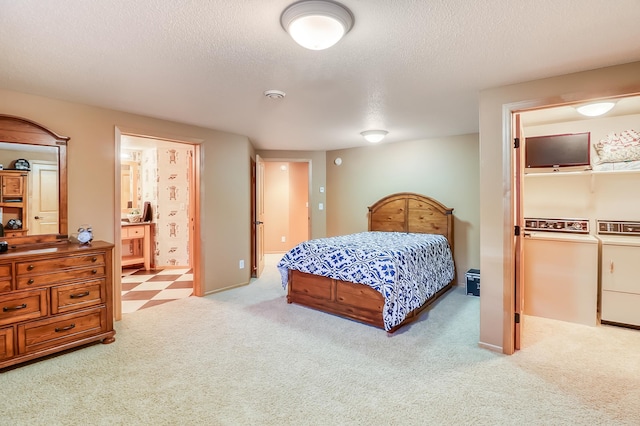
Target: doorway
(280, 207)
(159, 184)
(590, 193)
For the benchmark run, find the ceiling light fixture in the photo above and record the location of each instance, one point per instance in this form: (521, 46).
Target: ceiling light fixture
(595, 109)
(374, 136)
(316, 24)
(274, 94)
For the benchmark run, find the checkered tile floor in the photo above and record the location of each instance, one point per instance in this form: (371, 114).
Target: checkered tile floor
(142, 289)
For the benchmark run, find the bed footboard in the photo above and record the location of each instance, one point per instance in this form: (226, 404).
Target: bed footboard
(354, 301)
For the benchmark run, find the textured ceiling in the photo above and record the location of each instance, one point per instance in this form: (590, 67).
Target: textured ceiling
(413, 67)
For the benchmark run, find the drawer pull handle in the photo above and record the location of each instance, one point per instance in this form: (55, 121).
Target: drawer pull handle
(31, 281)
(611, 266)
(30, 267)
(94, 271)
(79, 295)
(14, 308)
(94, 259)
(67, 328)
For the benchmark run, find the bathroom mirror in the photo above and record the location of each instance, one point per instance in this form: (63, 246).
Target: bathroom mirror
(129, 197)
(36, 195)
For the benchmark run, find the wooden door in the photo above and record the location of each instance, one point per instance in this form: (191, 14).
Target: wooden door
(195, 241)
(43, 206)
(518, 176)
(252, 168)
(259, 215)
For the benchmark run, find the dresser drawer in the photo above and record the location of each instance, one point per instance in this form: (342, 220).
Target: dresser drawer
(5, 272)
(10, 233)
(5, 278)
(23, 305)
(30, 281)
(133, 231)
(307, 285)
(58, 330)
(70, 297)
(53, 265)
(6, 343)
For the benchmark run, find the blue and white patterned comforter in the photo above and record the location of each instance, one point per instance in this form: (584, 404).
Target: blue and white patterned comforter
(405, 268)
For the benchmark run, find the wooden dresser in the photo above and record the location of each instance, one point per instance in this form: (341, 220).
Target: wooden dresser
(54, 298)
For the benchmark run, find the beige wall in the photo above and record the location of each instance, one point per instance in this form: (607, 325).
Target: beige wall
(92, 165)
(496, 211)
(445, 169)
(317, 180)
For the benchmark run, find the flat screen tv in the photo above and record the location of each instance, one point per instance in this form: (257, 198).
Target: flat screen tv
(558, 150)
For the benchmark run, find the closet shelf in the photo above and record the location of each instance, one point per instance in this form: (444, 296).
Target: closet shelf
(584, 173)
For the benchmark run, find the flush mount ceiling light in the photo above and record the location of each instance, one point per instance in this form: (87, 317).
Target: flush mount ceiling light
(274, 94)
(374, 136)
(595, 109)
(316, 24)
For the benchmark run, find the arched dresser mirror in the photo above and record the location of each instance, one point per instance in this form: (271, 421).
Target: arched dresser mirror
(55, 294)
(33, 197)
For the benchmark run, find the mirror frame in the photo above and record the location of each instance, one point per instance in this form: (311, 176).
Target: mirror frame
(22, 131)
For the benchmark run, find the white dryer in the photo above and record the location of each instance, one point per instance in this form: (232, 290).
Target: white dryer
(620, 302)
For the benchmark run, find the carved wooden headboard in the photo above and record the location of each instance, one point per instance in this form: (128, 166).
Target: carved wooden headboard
(409, 212)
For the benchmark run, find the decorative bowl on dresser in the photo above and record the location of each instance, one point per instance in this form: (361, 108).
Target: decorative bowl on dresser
(55, 295)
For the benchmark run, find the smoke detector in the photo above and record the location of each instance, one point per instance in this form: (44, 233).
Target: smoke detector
(274, 94)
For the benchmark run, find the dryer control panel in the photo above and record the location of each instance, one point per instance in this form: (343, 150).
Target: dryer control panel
(618, 227)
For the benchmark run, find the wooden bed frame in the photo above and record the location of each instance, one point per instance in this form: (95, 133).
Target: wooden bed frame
(402, 212)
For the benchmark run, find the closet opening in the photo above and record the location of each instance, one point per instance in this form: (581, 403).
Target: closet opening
(569, 215)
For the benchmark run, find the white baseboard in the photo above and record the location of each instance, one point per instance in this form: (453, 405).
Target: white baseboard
(490, 347)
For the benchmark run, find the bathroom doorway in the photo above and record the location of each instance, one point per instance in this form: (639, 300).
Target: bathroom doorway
(158, 205)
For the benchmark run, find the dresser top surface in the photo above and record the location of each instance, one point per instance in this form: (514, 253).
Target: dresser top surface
(65, 248)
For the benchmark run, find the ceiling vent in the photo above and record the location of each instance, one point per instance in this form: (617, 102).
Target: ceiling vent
(274, 94)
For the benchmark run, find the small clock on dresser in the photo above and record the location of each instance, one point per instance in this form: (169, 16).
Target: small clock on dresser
(85, 234)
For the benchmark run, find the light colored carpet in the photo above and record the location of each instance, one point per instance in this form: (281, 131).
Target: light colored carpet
(246, 357)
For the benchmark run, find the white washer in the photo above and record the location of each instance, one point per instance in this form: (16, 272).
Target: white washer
(561, 276)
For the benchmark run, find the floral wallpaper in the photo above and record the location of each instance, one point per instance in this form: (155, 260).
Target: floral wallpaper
(165, 183)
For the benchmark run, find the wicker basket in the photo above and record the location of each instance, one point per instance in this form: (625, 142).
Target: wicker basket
(134, 218)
